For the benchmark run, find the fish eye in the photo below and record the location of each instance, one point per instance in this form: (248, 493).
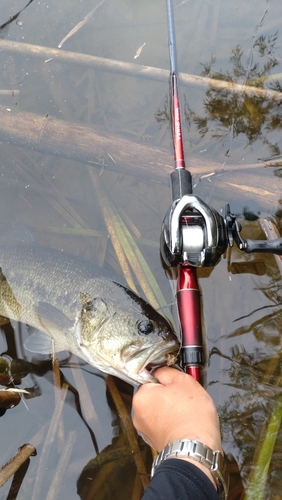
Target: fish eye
(145, 327)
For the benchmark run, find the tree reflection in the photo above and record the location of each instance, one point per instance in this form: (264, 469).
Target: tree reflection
(241, 113)
(255, 378)
(228, 112)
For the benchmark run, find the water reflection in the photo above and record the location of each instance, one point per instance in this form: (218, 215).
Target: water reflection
(234, 113)
(254, 374)
(238, 113)
(48, 193)
(101, 477)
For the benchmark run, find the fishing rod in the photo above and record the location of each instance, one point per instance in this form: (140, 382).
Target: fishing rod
(188, 293)
(193, 234)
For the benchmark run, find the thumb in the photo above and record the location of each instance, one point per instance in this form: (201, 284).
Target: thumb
(166, 375)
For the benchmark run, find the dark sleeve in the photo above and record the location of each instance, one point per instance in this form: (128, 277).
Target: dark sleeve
(180, 480)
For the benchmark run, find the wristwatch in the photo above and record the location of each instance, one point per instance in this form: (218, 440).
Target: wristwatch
(213, 460)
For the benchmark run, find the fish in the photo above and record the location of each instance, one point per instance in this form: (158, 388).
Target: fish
(74, 306)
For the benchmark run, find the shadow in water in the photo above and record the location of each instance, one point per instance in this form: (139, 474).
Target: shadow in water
(114, 469)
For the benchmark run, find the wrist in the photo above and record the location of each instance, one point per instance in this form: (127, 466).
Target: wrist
(209, 438)
(199, 454)
(200, 466)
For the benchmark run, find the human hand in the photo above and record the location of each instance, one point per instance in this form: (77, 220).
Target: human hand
(176, 408)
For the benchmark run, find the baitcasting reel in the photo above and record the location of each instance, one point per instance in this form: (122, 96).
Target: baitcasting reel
(197, 235)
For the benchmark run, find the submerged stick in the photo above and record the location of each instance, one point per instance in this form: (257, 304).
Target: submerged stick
(47, 54)
(61, 469)
(9, 399)
(129, 430)
(80, 24)
(83, 144)
(14, 464)
(9, 92)
(49, 441)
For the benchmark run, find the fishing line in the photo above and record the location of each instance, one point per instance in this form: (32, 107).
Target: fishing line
(171, 38)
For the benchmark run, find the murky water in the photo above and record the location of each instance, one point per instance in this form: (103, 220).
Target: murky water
(226, 132)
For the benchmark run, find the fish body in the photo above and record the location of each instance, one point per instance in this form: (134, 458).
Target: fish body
(82, 311)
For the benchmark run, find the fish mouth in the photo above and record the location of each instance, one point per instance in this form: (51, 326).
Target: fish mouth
(142, 361)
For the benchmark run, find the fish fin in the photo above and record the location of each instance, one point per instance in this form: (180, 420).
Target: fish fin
(19, 232)
(40, 343)
(51, 318)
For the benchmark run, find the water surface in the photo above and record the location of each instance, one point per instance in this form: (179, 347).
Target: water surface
(226, 134)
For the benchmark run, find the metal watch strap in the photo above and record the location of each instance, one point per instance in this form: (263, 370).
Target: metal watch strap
(213, 460)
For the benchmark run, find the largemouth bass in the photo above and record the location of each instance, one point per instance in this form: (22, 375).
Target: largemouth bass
(98, 319)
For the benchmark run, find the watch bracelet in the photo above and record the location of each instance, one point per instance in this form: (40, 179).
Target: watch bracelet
(193, 449)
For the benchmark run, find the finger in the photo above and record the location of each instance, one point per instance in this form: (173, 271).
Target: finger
(168, 375)
(142, 394)
(146, 439)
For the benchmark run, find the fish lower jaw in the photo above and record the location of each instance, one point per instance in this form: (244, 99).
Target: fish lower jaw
(135, 367)
(143, 375)
(119, 368)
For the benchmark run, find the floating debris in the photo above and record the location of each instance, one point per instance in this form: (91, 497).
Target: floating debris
(138, 52)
